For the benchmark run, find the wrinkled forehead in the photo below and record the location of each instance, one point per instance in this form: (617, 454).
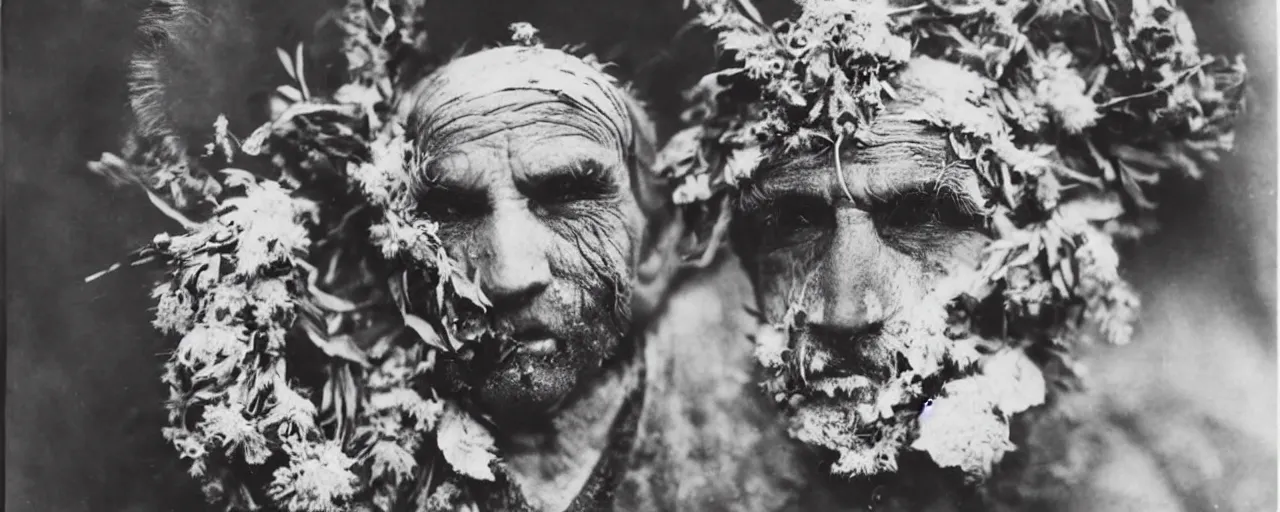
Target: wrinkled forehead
(899, 149)
(514, 89)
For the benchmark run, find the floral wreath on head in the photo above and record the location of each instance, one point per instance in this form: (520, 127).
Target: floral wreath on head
(298, 383)
(1078, 108)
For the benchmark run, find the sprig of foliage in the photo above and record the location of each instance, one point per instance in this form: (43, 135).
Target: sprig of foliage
(1070, 112)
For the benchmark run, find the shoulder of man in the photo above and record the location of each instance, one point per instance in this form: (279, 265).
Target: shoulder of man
(1165, 451)
(1196, 395)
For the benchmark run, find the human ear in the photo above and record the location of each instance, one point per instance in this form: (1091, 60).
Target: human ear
(675, 238)
(656, 267)
(691, 238)
(654, 262)
(657, 261)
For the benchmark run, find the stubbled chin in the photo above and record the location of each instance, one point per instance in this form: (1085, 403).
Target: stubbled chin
(525, 388)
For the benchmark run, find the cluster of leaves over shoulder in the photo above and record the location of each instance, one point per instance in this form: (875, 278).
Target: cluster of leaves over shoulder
(297, 384)
(1069, 111)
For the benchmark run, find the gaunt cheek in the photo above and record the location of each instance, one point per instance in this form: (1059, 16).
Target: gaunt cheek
(461, 240)
(595, 240)
(787, 277)
(951, 267)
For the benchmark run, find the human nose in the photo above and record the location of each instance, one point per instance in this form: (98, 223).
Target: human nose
(858, 285)
(515, 268)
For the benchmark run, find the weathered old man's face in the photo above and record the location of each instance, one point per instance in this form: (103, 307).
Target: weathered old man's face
(529, 178)
(857, 256)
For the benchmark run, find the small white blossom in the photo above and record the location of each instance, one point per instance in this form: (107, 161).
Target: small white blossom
(175, 309)
(391, 461)
(771, 344)
(741, 164)
(290, 409)
(694, 188)
(206, 344)
(318, 478)
(227, 422)
(1053, 8)
(524, 34)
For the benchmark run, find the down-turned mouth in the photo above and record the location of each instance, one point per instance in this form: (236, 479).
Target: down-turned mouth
(534, 339)
(871, 368)
(524, 372)
(863, 358)
(518, 340)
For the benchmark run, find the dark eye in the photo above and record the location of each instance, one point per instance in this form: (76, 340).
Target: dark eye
(568, 189)
(920, 208)
(444, 205)
(793, 215)
(587, 180)
(792, 221)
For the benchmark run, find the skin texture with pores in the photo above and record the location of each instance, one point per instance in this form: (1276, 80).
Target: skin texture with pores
(530, 156)
(911, 230)
(903, 226)
(856, 254)
(539, 175)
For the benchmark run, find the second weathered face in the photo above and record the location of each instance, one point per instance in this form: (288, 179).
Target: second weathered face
(842, 252)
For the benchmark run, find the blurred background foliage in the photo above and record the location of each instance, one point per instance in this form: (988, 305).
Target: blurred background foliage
(82, 394)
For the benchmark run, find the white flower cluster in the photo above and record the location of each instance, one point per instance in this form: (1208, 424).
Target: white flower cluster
(229, 299)
(244, 284)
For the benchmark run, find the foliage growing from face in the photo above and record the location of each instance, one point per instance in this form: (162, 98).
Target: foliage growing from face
(855, 261)
(1064, 117)
(530, 158)
(861, 269)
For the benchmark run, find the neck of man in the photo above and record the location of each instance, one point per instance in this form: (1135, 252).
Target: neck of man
(670, 428)
(681, 425)
(571, 463)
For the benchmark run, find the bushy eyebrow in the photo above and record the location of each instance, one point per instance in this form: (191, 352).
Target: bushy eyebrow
(798, 177)
(954, 182)
(812, 177)
(586, 176)
(757, 195)
(435, 174)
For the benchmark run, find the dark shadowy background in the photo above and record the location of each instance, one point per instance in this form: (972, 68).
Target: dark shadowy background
(83, 403)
